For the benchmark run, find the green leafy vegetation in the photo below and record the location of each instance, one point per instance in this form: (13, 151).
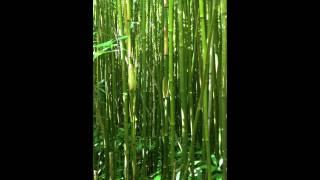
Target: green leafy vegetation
(160, 89)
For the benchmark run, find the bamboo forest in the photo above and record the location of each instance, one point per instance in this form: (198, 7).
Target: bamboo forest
(160, 89)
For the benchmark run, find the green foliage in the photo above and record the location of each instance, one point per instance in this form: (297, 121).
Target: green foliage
(154, 93)
(104, 47)
(158, 177)
(201, 165)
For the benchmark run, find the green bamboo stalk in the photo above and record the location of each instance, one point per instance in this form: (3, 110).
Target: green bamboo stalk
(156, 105)
(101, 100)
(182, 87)
(205, 94)
(126, 116)
(223, 87)
(132, 86)
(165, 170)
(127, 30)
(191, 74)
(113, 120)
(193, 81)
(133, 122)
(144, 86)
(116, 119)
(153, 116)
(212, 81)
(188, 55)
(160, 95)
(149, 86)
(171, 91)
(107, 126)
(111, 170)
(95, 155)
(210, 97)
(116, 155)
(153, 81)
(103, 131)
(158, 71)
(124, 94)
(217, 52)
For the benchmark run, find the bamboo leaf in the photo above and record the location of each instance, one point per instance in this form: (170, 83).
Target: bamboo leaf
(217, 176)
(122, 38)
(220, 162)
(97, 54)
(214, 160)
(158, 177)
(105, 44)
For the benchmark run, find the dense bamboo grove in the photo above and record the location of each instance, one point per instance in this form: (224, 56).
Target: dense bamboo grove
(160, 89)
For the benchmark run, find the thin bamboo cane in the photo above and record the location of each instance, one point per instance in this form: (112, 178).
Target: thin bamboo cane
(182, 87)
(165, 93)
(171, 91)
(125, 96)
(223, 87)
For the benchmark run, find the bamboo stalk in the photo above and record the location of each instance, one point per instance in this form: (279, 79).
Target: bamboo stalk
(171, 91)
(144, 86)
(205, 94)
(165, 93)
(124, 94)
(182, 87)
(223, 87)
